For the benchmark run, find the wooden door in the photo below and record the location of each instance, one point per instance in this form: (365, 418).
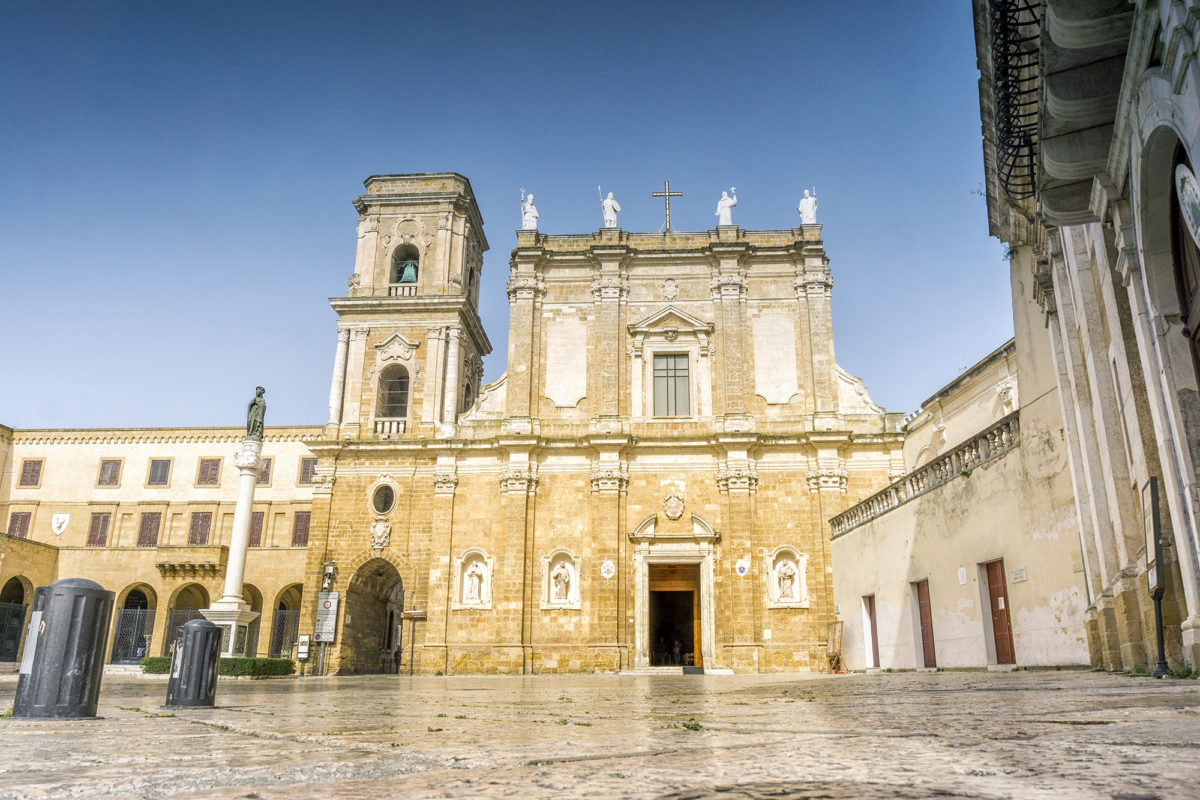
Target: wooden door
(870, 601)
(926, 615)
(697, 648)
(1001, 622)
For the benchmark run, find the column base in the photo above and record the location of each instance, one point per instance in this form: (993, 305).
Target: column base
(234, 621)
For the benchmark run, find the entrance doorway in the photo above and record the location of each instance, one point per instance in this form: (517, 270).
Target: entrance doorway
(135, 626)
(925, 616)
(374, 602)
(675, 638)
(12, 618)
(1001, 622)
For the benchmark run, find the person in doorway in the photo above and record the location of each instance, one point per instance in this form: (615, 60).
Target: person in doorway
(675, 654)
(396, 660)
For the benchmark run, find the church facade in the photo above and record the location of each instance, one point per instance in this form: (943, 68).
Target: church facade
(648, 484)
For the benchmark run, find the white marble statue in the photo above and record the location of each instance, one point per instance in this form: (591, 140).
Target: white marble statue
(609, 207)
(529, 214)
(475, 583)
(808, 208)
(561, 580)
(725, 206)
(786, 576)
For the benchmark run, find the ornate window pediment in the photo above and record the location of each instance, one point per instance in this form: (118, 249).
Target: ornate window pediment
(668, 323)
(702, 531)
(683, 344)
(395, 348)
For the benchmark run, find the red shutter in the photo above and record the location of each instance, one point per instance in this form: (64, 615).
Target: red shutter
(201, 525)
(256, 528)
(300, 529)
(148, 532)
(98, 532)
(18, 524)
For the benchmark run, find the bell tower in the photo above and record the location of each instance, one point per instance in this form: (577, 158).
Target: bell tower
(410, 345)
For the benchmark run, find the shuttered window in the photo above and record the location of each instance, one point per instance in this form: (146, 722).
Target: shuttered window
(31, 472)
(18, 524)
(110, 472)
(160, 472)
(308, 470)
(98, 530)
(300, 529)
(209, 472)
(148, 529)
(201, 527)
(264, 474)
(256, 528)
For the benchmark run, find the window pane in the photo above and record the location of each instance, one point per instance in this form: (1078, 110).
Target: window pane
(300, 529)
(393, 393)
(264, 474)
(660, 396)
(31, 472)
(18, 524)
(98, 531)
(201, 526)
(256, 528)
(682, 401)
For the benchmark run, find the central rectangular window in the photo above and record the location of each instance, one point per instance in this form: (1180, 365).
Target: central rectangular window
(300, 528)
(201, 527)
(209, 472)
(110, 472)
(671, 385)
(160, 472)
(148, 529)
(98, 530)
(256, 528)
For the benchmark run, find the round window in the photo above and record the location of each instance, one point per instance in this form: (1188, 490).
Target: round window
(384, 499)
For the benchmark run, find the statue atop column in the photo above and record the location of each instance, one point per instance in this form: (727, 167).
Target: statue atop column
(255, 415)
(725, 206)
(808, 208)
(529, 213)
(609, 208)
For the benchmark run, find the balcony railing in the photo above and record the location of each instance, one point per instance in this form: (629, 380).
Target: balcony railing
(976, 451)
(402, 290)
(385, 426)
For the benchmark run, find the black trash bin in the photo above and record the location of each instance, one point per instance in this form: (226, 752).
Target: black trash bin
(197, 652)
(65, 645)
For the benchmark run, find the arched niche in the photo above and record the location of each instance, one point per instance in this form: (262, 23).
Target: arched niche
(787, 579)
(560, 580)
(473, 580)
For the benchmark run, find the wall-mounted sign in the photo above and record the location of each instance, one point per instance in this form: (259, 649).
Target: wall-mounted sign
(608, 569)
(327, 605)
(302, 647)
(1187, 191)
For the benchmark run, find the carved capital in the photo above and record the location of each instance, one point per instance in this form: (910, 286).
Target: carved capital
(344, 336)
(247, 458)
(610, 288)
(728, 286)
(827, 479)
(812, 284)
(609, 480)
(737, 480)
(444, 482)
(323, 484)
(525, 288)
(360, 334)
(518, 481)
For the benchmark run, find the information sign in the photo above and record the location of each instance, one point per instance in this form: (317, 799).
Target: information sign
(302, 647)
(327, 606)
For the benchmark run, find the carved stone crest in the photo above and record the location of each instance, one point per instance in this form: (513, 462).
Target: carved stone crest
(673, 506)
(58, 523)
(381, 534)
(669, 289)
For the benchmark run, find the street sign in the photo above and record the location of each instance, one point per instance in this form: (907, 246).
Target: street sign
(302, 647)
(327, 606)
(412, 615)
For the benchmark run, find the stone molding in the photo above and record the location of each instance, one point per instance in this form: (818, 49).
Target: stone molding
(809, 284)
(609, 480)
(444, 482)
(323, 484)
(830, 478)
(737, 480)
(610, 288)
(728, 286)
(518, 481)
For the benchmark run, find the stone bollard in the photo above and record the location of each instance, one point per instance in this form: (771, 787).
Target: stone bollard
(197, 652)
(65, 644)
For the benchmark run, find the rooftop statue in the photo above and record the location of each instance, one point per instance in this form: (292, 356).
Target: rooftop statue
(725, 206)
(609, 207)
(529, 213)
(808, 208)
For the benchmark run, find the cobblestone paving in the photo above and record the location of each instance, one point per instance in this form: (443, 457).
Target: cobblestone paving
(909, 735)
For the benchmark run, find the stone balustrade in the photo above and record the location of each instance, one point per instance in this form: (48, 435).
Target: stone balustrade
(402, 290)
(985, 446)
(387, 426)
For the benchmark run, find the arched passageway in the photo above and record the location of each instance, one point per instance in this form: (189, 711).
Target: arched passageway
(253, 597)
(15, 598)
(374, 601)
(185, 606)
(285, 624)
(135, 624)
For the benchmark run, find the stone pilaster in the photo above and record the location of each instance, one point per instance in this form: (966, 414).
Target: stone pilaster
(431, 401)
(738, 484)
(439, 578)
(453, 359)
(355, 373)
(337, 387)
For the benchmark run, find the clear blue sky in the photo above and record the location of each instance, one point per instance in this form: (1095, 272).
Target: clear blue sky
(176, 178)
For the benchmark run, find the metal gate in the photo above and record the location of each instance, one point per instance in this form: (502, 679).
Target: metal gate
(176, 617)
(135, 626)
(12, 622)
(252, 636)
(283, 633)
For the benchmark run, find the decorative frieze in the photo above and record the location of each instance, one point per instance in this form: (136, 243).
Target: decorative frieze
(609, 480)
(518, 481)
(830, 478)
(737, 480)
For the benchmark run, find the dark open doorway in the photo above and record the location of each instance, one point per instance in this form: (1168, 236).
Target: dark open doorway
(675, 616)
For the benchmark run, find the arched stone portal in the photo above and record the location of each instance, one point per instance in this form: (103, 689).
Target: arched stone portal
(374, 596)
(14, 599)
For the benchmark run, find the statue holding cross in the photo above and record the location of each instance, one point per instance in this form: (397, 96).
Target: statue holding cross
(668, 194)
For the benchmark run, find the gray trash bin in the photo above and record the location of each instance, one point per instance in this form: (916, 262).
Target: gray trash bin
(197, 652)
(64, 650)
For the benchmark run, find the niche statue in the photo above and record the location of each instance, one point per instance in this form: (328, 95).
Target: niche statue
(255, 415)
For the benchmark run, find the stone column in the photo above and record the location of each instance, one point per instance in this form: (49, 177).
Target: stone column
(453, 357)
(354, 381)
(231, 611)
(337, 388)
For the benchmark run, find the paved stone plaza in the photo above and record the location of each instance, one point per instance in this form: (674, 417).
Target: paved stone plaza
(1027, 734)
